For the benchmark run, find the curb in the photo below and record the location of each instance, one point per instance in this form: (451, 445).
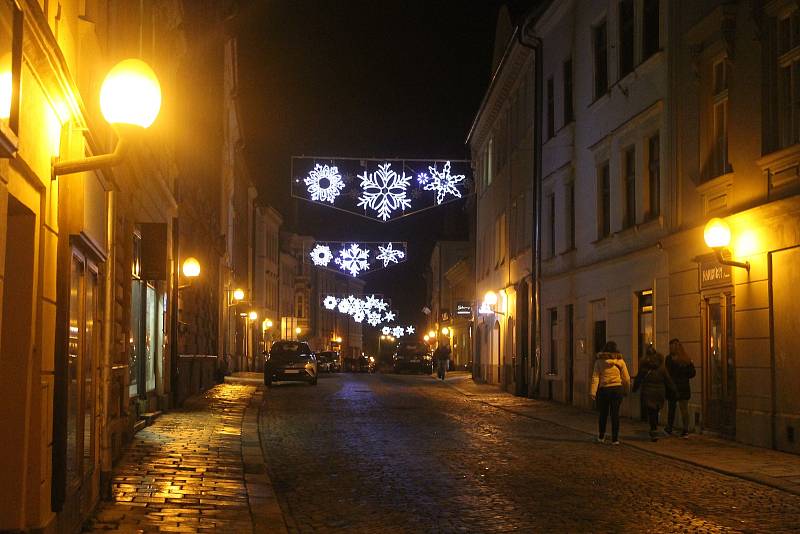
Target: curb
(265, 512)
(754, 477)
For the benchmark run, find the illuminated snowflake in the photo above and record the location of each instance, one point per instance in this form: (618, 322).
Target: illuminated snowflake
(374, 318)
(398, 331)
(330, 302)
(389, 317)
(356, 306)
(409, 330)
(372, 302)
(384, 191)
(321, 255)
(389, 254)
(381, 305)
(324, 183)
(344, 306)
(358, 316)
(442, 182)
(353, 259)
(386, 330)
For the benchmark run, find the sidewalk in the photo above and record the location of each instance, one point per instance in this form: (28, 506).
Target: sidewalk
(765, 466)
(196, 469)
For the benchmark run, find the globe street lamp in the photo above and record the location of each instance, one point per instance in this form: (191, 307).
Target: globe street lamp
(130, 99)
(717, 235)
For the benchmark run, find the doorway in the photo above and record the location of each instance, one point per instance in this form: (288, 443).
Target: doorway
(16, 339)
(720, 361)
(570, 352)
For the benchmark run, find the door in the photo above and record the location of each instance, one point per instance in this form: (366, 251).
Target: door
(570, 353)
(720, 364)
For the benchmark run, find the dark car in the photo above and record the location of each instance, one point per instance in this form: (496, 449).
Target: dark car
(412, 356)
(290, 361)
(331, 357)
(365, 364)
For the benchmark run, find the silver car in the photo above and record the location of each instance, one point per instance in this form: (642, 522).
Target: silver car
(290, 361)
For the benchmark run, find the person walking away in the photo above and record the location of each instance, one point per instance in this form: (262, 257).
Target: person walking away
(442, 357)
(654, 381)
(610, 383)
(681, 369)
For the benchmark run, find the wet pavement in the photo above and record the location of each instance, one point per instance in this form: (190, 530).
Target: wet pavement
(401, 453)
(186, 472)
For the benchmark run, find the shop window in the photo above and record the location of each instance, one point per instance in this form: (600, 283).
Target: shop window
(10, 71)
(81, 360)
(644, 320)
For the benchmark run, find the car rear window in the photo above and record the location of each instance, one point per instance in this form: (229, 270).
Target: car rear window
(289, 347)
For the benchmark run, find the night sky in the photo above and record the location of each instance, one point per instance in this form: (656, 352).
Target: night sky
(358, 78)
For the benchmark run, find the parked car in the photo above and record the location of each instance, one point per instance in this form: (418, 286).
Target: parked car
(332, 358)
(323, 364)
(290, 361)
(365, 364)
(412, 356)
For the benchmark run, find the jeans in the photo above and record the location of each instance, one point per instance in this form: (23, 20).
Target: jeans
(609, 399)
(441, 368)
(652, 418)
(683, 404)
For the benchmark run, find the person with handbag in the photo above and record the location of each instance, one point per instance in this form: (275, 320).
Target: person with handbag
(654, 381)
(681, 370)
(610, 383)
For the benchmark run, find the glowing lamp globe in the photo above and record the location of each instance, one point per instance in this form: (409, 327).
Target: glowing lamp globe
(191, 268)
(298, 330)
(431, 334)
(445, 331)
(253, 315)
(268, 322)
(238, 294)
(490, 298)
(717, 233)
(426, 337)
(131, 94)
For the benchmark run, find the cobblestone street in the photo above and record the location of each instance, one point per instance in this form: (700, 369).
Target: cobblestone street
(389, 453)
(185, 473)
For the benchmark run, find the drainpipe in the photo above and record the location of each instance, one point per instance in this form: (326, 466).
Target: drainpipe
(108, 325)
(536, 240)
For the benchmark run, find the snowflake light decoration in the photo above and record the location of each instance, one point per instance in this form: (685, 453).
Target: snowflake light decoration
(374, 318)
(389, 317)
(386, 330)
(344, 306)
(409, 330)
(321, 255)
(384, 191)
(398, 331)
(358, 316)
(442, 182)
(330, 302)
(389, 254)
(353, 259)
(324, 183)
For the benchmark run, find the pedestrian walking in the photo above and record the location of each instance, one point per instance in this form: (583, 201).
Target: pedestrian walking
(442, 357)
(654, 381)
(681, 370)
(610, 383)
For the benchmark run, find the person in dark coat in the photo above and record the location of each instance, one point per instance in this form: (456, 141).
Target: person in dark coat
(654, 381)
(681, 370)
(442, 357)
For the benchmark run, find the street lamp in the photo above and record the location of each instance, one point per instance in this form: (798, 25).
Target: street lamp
(717, 235)
(445, 331)
(191, 267)
(238, 294)
(268, 323)
(426, 337)
(130, 99)
(431, 334)
(253, 315)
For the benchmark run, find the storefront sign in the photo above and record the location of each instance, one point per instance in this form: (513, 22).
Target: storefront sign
(712, 274)
(464, 309)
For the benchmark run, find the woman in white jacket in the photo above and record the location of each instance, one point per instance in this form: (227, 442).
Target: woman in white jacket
(610, 383)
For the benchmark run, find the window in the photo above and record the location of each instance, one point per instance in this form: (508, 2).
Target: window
(650, 29)
(719, 145)
(553, 313)
(500, 239)
(82, 357)
(551, 212)
(644, 320)
(10, 68)
(600, 45)
(604, 204)
(551, 126)
(629, 183)
(300, 308)
(569, 111)
(789, 80)
(626, 45)
(654, 176)
(488, 169)
(571, 213)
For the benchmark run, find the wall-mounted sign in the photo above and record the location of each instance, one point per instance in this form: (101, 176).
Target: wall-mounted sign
(712, 274)
(464, 309)
(445, 315)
